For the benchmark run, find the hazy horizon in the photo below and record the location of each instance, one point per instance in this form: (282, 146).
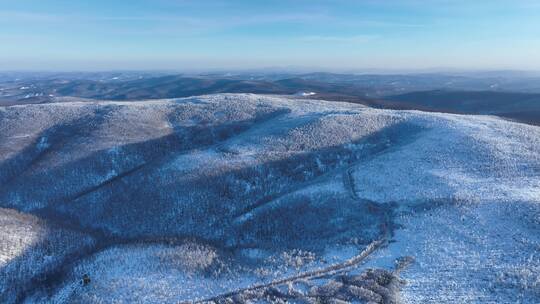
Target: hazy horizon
(507, 73)
(324, 35)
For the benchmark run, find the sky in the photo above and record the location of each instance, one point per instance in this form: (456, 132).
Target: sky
(241, 34)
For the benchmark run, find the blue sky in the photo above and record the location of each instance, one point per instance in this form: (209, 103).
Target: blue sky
(316, 34)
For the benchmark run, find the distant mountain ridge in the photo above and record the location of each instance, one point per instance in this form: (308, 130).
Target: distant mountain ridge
(165, 87)
(515, 98)
(523, 107)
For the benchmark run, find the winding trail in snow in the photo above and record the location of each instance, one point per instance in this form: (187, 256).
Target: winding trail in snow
(330, 270)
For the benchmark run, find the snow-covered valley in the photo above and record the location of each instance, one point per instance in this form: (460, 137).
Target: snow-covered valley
(202, 198)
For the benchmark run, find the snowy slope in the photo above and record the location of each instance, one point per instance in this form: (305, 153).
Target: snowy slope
(274, 186)
(457, 158)
(30, 248)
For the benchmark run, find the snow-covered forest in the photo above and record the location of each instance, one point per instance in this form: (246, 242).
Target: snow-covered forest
(246, 197)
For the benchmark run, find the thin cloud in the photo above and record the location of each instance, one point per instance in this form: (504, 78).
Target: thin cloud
(15, 16)
(198, 24)
(228, 21)
(340, 39)
(377, 23)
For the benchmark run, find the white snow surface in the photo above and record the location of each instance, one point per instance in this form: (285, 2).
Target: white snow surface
(472, 253)
(466, 189)
(461, 158)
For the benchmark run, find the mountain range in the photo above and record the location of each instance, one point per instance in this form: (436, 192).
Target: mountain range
(506, 95)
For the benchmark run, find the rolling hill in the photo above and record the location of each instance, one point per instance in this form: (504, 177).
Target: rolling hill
(243, 196)
(513, 96)
(524, 107)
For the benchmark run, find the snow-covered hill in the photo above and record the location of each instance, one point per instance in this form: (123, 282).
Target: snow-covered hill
(192, 198)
